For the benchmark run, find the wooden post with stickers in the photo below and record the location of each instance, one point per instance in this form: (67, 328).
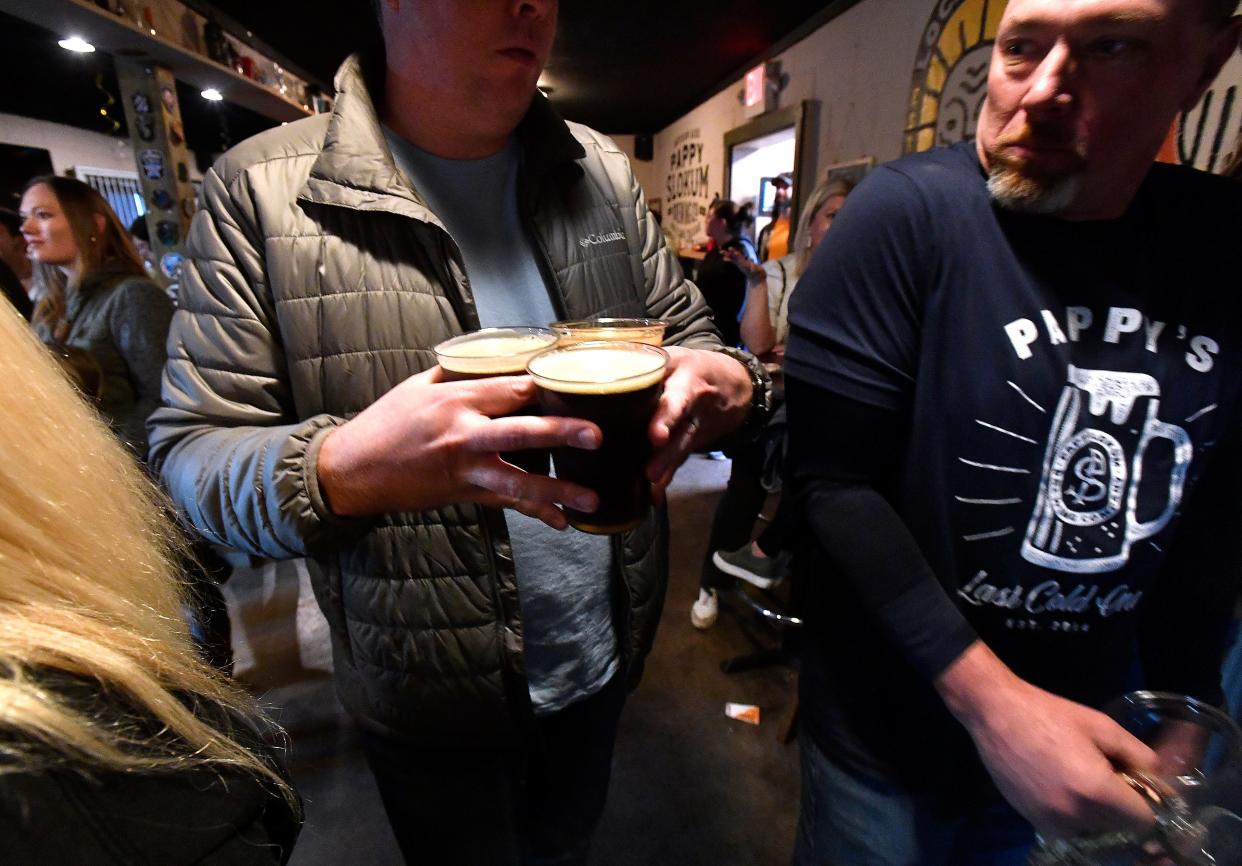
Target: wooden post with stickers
(153, 116)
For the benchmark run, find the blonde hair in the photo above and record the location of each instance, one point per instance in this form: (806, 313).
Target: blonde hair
(815, 201)
(110, 248)
(88, 588)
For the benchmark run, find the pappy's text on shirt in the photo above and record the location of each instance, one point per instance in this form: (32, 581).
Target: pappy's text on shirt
(1120, 323)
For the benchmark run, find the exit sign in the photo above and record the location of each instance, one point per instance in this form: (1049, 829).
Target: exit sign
(756, 83)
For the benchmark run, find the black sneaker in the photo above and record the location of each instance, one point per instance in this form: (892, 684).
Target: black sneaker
(764, 572)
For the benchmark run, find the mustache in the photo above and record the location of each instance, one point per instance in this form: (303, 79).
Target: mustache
(1044, 136)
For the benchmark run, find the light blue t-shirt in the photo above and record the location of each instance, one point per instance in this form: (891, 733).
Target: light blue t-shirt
(563, 577)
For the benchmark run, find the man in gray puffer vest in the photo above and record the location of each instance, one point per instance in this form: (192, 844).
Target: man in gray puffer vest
(484, 653)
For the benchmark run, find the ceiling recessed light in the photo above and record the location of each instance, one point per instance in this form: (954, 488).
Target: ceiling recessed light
(76, 44)
(212, 95)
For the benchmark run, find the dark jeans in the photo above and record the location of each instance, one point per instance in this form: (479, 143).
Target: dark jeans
(736, 512)
(851, 820)
(532, 806)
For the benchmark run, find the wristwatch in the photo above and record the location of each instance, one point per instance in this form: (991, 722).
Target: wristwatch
(760, 393)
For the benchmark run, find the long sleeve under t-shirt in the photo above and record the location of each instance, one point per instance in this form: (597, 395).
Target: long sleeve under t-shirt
(1014, 429)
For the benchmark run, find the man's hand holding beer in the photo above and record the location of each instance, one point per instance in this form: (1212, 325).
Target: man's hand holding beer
(706, 395)
(429, 443)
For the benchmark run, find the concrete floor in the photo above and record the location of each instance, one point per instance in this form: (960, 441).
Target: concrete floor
(690, 786)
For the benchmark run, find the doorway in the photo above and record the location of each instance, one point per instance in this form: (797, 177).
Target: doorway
(755, 168)
(766, 160)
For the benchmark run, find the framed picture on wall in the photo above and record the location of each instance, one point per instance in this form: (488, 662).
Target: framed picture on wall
(853, 171)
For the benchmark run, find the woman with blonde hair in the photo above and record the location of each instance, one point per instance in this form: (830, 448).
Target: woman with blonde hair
(97, 301)
(764, 327)
(116, 743)
(765, 315)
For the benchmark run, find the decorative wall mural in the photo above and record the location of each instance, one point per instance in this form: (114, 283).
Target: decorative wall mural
(951, 73)
(950, 82)
(1210, 134)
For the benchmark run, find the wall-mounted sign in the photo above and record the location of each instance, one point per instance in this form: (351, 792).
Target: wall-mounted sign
(687, 188)
(756, 84)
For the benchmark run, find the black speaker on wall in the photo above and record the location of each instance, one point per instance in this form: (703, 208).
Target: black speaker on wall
(644, 147)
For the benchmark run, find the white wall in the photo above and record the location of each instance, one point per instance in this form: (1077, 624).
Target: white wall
(858, 66)
(647, 173)
(68, 145)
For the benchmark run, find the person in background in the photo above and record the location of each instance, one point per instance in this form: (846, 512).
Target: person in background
(97, 298)
(109, 324)
(764, 561)
(774, 239)
(116, 743)
(1014, 391)
(140, 234)
(15, 269)
(484, 654)
(722, 283)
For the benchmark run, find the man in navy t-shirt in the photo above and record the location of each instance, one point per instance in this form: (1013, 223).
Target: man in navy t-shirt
(1014, 411)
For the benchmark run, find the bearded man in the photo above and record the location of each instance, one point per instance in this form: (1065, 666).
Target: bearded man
(1014, 415)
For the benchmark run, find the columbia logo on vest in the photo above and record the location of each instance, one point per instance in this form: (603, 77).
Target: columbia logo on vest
(593, 240)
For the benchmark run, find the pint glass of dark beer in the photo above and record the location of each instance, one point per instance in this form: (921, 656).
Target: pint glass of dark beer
(649, 331)
(498, 352)
(617, 385)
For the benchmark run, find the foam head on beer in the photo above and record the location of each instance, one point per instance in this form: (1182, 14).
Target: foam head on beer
(493, 351)
(606, 369)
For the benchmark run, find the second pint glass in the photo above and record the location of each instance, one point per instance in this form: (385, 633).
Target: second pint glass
(498, 352)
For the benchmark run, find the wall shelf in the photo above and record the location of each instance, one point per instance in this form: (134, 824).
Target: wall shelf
(116, 35)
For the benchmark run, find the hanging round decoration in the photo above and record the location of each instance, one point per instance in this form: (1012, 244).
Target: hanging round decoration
(105, 110)
(183, 173)
(175, 134)
(951, 73)
(141, 103)
(188, 207)
(146, 127)
(162, 199)
(168, 96)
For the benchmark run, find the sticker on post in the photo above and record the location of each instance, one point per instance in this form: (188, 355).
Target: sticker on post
(748, 713)
(170, 263)
(152, 162)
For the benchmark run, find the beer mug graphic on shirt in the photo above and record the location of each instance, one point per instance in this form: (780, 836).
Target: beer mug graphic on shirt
(1086, 514)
